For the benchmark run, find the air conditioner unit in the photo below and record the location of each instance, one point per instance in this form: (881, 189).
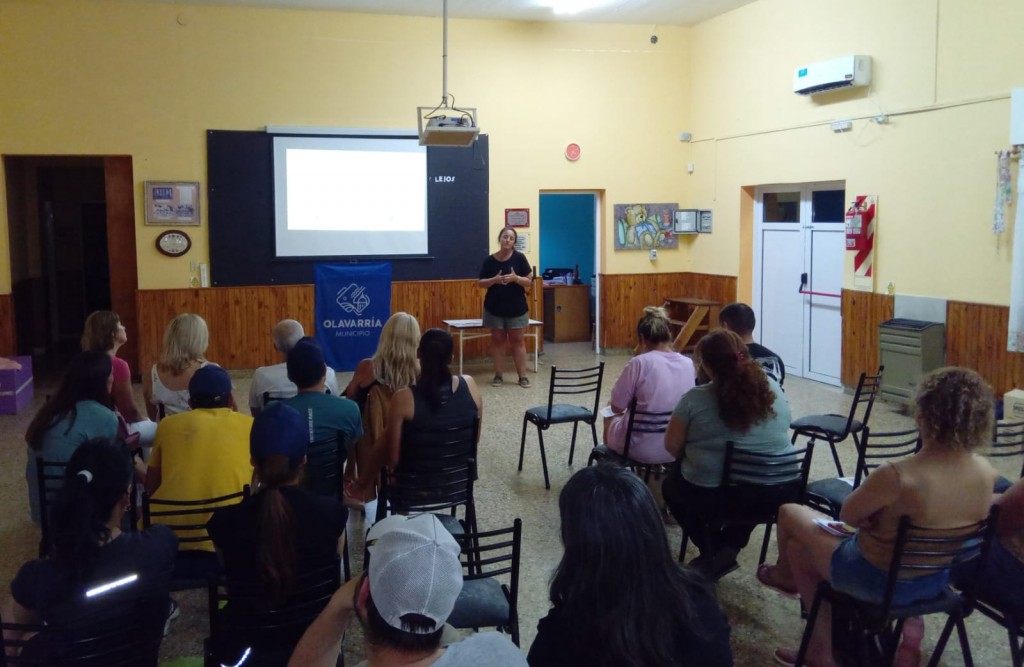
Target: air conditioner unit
(844, 72)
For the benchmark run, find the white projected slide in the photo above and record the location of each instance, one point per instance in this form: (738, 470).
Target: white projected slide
(350, 196)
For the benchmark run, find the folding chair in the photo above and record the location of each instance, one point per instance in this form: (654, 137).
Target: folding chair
(837, 428)
(576, 382)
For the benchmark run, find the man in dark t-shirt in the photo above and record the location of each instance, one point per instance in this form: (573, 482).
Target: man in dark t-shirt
(739, 318)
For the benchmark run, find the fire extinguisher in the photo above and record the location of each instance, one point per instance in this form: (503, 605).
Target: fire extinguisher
(854, 227)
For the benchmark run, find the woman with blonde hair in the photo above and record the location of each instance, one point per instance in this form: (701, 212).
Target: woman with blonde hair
(185, 343)
(657, 377)
(737, 403)
(105, 333)
(392, 367)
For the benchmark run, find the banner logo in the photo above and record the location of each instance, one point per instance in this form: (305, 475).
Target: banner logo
(353, 299)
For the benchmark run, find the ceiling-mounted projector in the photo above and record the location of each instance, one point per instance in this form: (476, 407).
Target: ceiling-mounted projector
(445, 130)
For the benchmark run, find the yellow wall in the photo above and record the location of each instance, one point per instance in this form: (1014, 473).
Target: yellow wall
(943, 70)
(96, 77)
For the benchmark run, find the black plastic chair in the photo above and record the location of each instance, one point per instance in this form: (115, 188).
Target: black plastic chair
(638, 421)
(918, 551)
(1007, 442)
(576, 382)
(188, 518)
(49, 481)
(874, 449)
(325, 476)
(121, 628)
(435, 473)
(836, 428)
(485, 601)
(754, 486)
(1014, 629)
(241, 620)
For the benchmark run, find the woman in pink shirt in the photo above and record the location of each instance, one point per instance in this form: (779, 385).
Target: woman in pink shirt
(657, 377)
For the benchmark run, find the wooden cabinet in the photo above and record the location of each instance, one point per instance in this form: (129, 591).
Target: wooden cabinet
(690, 319)
(567, 313)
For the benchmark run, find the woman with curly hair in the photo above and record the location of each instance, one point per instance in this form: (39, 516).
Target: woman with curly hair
(944, 485)
(736, 403)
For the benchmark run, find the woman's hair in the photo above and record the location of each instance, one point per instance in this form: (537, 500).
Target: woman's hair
(100, 328)
(185, 341)
(740, 385)
(394, 362)
(96, 480)
(84, 380)
(955, 407)
(435, 352)
(276, 557)
(653, 326)
(611, 528)
(515, 235)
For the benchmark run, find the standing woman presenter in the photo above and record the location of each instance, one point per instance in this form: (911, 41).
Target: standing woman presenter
(506, 275)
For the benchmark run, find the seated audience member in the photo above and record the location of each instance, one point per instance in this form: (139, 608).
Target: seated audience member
(402, 602)
(202, 453)
(656, 377)
(438, 399)
(740, 404)
(166, 385)
(634, 605)
(739, 318)
(78, 412)
(281, 531)
(944, 485)
(88, 547)
(325, 416)
(393, 366)
(104, 332)
(273, 380)
(999, 579)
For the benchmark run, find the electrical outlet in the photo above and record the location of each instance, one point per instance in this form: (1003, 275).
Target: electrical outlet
(654, 254)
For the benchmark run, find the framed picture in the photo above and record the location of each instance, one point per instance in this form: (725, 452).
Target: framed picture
(517, 217)
(172, 202)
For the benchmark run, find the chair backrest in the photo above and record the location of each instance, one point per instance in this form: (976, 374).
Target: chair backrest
(436, 470)
(578, 383)
(240, 619)
(778, 479)
(919, 551)
(1007, 441)
(325, 467)
(118, 629)
(268, 398)
(493, 554)
(864, 398)
(49, 481)
(187, 518)
(878, 448)
(640, 421)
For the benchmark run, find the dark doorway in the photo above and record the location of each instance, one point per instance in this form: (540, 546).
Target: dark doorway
(61, 259)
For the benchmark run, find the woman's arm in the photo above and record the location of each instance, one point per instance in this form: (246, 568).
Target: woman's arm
(675, 437)
(474, 391)
(484, 283)
(361, 378)
(879, 490)
(147, 396)
(124, 401)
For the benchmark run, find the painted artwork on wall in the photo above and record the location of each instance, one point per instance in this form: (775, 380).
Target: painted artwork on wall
(644, 226)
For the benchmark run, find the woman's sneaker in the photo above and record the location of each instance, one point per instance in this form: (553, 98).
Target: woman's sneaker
(497, 381)
(524, 382)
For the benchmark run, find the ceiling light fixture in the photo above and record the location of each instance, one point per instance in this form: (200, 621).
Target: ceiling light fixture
(570, 7)
(439, 126)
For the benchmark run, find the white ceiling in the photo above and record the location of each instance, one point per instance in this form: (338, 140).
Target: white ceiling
(653, 12)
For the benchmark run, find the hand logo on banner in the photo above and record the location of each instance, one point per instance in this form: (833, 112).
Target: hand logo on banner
(353, 299)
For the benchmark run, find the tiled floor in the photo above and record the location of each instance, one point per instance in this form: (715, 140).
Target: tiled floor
(761, 620)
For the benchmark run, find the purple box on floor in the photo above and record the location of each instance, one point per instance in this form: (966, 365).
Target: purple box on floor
(16, 387)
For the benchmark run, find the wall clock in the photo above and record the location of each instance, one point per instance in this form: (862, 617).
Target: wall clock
(173, 243)
(572, 152)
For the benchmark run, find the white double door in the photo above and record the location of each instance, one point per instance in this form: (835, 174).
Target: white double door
(799, 242)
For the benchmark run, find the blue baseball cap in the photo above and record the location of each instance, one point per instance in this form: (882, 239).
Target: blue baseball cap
(279, 430)
(212, 383)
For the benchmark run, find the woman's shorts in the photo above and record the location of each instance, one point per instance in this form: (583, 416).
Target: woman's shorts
(854, 575)
(506, 323)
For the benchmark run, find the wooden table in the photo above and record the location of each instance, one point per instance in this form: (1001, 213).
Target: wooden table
(463, 330)
(690, 319)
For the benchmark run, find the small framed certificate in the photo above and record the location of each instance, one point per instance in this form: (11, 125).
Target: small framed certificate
(517, 217)
(172, 202)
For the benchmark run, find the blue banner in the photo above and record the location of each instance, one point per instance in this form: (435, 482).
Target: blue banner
(353, 301)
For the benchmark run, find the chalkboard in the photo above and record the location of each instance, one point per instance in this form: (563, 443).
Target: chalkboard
(241, 211)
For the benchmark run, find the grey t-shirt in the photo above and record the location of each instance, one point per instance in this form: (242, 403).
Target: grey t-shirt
(482, 648)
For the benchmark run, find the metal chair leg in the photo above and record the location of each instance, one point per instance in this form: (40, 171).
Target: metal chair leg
(835, 457)
(572, 447)
(764, 543)
(805, 640)
(543, 457)
(522, 444)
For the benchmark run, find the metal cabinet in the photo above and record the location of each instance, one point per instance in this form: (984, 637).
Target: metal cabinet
(909, 349)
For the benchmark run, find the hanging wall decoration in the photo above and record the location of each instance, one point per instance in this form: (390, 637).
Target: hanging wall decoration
(644, 226)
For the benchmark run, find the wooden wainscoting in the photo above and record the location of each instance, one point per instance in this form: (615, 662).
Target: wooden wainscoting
(862, 312)
(7, 325)
(241, 318)
(976, 338)
(624, 297)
